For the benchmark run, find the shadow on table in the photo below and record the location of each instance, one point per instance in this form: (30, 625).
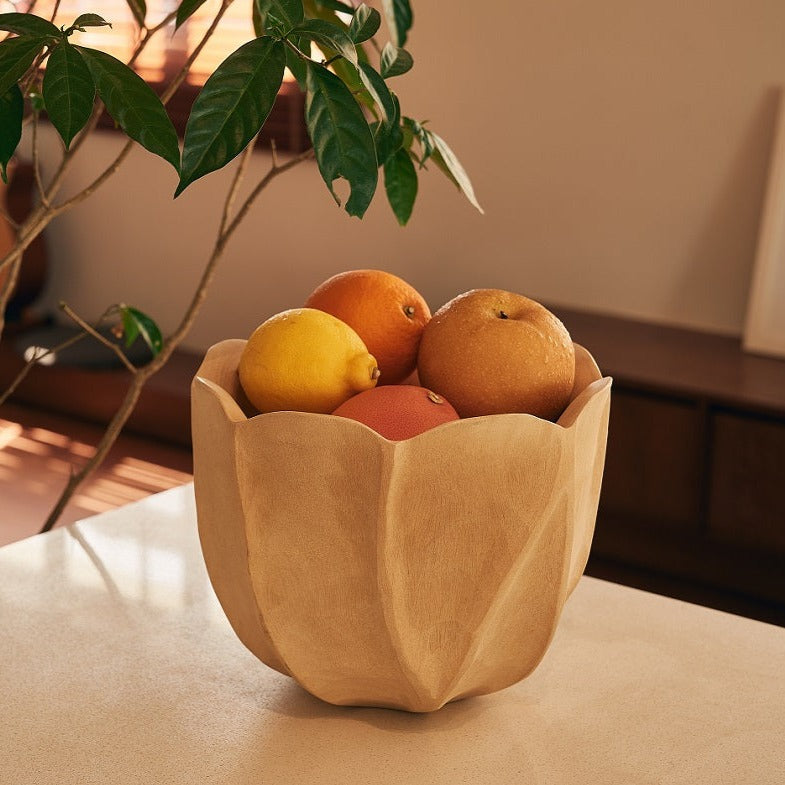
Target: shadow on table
(315, 742)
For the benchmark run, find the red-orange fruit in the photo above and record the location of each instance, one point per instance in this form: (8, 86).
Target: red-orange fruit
(398, 411)
(384, 310)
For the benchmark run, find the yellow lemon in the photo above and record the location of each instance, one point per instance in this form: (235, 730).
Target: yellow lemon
(305, 360)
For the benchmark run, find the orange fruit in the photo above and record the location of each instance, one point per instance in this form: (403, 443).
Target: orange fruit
(304, 360)
(386, 312)
(398, 411)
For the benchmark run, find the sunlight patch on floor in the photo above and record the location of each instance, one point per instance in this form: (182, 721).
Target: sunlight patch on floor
(36, 461)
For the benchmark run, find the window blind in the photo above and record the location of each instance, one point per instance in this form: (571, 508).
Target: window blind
(167, 50)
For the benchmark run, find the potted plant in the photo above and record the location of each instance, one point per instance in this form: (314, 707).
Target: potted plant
(354, 120)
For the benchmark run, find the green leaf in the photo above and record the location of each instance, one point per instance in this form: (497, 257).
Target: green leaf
(186, 10)
(68, 91)
(395, 61)
(16, 56)
(365, 24)
(388, 136)
(132, 104)
(29, 25)
(400, 183)
(294, 62)
(232, 107)
(376, 86)
(423, 136)
(136, 323)
(89, 20)
(341, 138)
(330, 12)
(11, 111)
(399, 19)
(285, 14)
(350, 76)
(388, 139)
(256, 19)
(407, 138)
(138, 9)
(445, 159)
(328, 35)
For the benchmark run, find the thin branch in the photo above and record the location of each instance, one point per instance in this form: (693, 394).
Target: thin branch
(90, 330)
(262, 184)
(26, 82)
(299, 52)
(149, 32)
(235, 186)
(274, 152)
(141, 375)
(37, 355)
(6, 216)
(13, 263)
(223, 238)
(90, 189)
(34, 360)
(328, 63)
(37, 162)
(183, 73)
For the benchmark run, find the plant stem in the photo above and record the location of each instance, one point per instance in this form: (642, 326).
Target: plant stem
(90, 330)
(20, 377)
(5, 215)
(141, 375)
(37, 357)
(37, 163)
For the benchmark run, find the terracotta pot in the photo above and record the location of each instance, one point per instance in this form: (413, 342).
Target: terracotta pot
(397, 574)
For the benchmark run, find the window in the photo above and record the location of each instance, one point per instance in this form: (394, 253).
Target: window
(166, 52)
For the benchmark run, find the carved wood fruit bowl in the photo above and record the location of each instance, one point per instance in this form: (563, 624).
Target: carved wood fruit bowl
(396, 574)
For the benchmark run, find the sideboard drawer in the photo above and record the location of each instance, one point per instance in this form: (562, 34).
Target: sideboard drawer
(653, 467)
(747, 494)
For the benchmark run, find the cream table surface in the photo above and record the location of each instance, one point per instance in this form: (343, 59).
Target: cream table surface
(118, 666)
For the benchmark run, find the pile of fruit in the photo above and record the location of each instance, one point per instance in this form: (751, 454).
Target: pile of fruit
(365, 346)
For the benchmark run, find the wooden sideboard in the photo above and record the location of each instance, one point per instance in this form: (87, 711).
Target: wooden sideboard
(693, 499)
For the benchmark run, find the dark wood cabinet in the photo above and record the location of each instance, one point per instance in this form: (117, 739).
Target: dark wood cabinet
(747, 483)
(693, 497)
(654, 461)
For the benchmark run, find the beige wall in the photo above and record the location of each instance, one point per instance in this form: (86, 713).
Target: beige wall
(619, 149)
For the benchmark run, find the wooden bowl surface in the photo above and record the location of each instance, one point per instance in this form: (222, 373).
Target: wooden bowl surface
(399, 574)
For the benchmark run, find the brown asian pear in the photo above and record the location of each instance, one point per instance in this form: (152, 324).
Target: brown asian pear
(489, 351)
